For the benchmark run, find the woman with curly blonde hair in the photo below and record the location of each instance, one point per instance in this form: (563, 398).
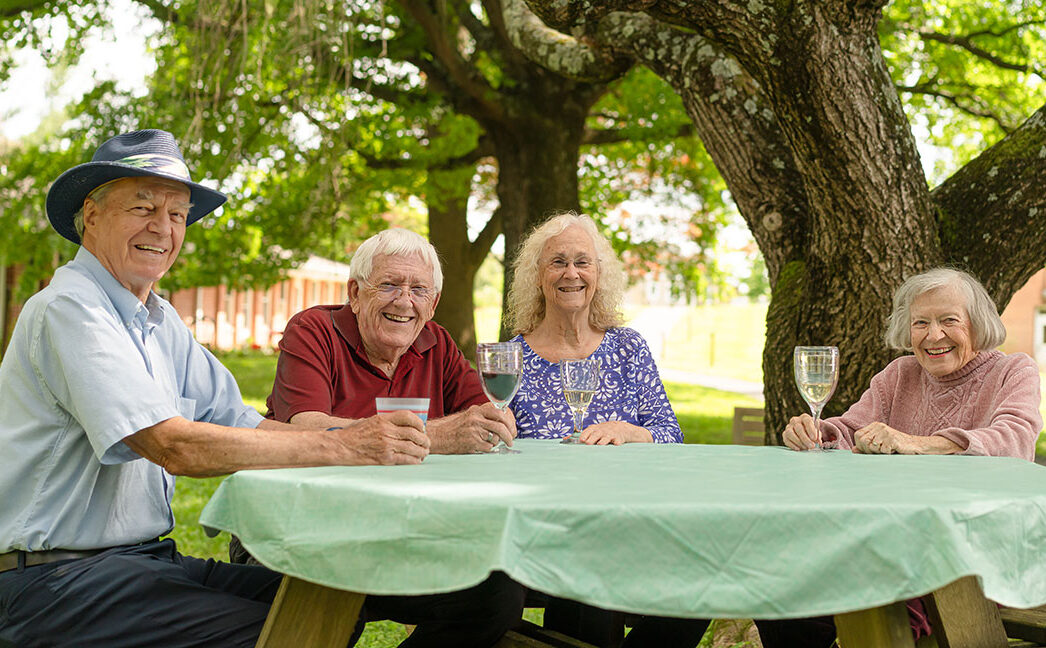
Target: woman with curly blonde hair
(565, 303)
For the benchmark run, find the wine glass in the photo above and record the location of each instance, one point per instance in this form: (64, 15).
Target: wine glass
(580, 380)
(816, 375)
(500, 365)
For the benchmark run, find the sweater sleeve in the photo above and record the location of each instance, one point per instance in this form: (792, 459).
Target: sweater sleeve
(868, 409)
(1014, 422)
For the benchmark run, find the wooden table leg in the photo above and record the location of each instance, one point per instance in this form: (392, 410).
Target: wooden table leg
(308, 615)
(881, 627)
(963, 618)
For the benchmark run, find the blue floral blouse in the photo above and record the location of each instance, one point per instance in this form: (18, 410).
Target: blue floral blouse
(630, 390)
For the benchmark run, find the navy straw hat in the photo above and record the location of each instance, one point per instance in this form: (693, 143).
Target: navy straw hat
(141, 153)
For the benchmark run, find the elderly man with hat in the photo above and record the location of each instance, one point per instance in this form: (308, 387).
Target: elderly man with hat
(106, 397)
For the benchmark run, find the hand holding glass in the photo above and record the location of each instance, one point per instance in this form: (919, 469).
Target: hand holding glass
(816, 376)
(500, 365)
(580, 380)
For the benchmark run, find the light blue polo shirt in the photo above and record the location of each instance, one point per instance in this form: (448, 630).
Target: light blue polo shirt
(89, 365)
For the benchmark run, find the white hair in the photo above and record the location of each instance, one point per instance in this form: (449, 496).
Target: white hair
(987, 327)
(97, 195)
(395, 242)
(527, 301)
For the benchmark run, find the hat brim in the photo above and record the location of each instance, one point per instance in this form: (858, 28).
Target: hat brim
(67, 193)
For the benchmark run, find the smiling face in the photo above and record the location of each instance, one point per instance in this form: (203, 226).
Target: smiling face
(569, 272)
(136, 230)
(393, 305)
(942, 337)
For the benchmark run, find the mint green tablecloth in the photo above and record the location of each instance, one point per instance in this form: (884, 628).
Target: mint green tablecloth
(706, 531)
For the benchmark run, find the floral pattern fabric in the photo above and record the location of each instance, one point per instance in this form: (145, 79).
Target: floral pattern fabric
(630, 390)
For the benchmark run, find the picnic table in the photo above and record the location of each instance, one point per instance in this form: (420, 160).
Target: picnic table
(689, 531)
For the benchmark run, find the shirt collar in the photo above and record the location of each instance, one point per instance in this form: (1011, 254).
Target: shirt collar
(127, 305)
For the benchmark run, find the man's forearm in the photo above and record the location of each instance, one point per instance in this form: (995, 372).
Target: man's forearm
(199, 449)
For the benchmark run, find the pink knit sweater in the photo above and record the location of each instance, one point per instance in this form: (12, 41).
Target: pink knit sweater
(989, 407)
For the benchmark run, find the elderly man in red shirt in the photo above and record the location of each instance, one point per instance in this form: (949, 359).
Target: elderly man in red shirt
(335, 360)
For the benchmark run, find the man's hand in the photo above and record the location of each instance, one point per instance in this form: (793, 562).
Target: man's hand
(477, 429)
(386, 439)
(880, 438)
(615, 433)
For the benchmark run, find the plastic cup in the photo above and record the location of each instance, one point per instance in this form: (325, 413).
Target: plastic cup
(419, 406)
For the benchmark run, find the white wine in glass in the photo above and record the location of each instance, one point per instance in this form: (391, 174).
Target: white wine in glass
(816, 376)
(500, 365)
(580, 379)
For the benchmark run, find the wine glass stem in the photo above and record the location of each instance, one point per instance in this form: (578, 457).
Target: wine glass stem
(816, 411)
(579, 417)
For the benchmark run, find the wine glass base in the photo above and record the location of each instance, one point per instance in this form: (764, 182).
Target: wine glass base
(572, 439)
(502, 449)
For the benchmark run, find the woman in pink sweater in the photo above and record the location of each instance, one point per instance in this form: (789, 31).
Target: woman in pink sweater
(955, 394)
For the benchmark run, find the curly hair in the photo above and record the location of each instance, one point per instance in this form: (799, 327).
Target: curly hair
(988, 329)
(527, 302)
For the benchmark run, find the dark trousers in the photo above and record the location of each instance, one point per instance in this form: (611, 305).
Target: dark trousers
(604, 627)
(150, 595)
(146, 595)
(814, 632)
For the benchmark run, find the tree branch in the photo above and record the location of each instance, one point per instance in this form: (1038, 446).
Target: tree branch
(966, 42)
(598, 136)
(956, 101)
(994, 208)
(458, 71)
(735, 122)
(479, 248)
(563, 54)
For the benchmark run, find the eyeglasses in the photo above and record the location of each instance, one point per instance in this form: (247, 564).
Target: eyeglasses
(559, 263)
(393, 291)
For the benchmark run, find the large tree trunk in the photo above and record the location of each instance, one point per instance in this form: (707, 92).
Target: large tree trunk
(537, 176)
(447, 198)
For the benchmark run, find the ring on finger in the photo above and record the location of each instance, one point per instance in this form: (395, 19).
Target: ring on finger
(490, 437)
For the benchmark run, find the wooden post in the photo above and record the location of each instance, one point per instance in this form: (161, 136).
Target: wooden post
(963, 618)
(881, 627)
(307, 614)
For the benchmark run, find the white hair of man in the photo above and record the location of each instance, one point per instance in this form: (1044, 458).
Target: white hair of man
(395, 242)
(98, 195)
(987, 327)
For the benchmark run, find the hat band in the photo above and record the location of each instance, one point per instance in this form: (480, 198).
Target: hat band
(155, 162)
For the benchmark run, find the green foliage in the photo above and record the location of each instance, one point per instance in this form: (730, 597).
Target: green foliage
(656, 163)
(970, 72)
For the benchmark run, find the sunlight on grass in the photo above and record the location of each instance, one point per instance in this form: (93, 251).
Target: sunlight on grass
(719, 339)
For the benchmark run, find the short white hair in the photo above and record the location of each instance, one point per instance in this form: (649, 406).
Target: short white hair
(395, 242)
(987, 327)
(97, 195)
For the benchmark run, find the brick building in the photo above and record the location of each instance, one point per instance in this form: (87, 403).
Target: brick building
(229, 319)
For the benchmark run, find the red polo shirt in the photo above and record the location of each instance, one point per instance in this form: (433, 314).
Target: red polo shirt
(323, 368)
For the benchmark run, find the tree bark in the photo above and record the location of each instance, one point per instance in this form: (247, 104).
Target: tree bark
(537, 176)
